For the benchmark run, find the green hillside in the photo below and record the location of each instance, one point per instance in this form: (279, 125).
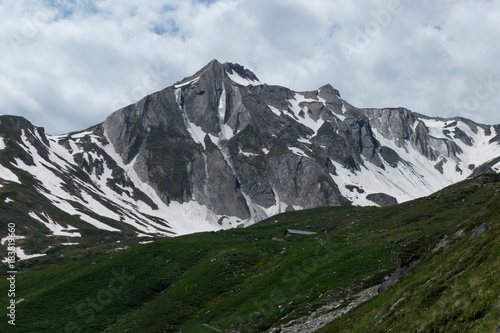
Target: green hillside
(241, 280)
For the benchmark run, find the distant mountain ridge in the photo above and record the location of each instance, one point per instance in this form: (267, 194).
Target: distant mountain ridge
(220, 149)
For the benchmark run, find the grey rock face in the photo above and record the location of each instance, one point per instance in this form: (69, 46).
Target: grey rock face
(390, 156)
(401, 272)
(218, 142)
(16, 127)
(224, 188)
(479, 231)
(481, 170)
(394, 124)
(234, 147)
(462, 136)
(497, 136)
(302, 181)
(223, 147)
(382, 199)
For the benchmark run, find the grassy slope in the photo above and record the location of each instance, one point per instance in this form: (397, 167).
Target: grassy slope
(455, 289)
(241, 280)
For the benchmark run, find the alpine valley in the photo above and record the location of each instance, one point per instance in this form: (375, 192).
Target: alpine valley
(402, 209)
(219, 150)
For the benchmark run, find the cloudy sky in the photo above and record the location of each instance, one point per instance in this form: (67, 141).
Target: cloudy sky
(66, 65)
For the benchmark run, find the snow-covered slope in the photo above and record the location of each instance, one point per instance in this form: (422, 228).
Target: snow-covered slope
(415, 175)
(220, 149)
(61, 185)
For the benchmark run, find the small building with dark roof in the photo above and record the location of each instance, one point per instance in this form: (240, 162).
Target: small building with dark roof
(292, 232)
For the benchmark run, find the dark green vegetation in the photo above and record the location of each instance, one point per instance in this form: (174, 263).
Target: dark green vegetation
(241, 280)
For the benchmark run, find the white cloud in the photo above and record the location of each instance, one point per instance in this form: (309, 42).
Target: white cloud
(66, 65)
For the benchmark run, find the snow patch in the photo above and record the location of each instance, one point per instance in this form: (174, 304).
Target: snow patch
(341, 116)
(23, 256)
(304, 119)
(177, 86)
(275, 110)
(226, 132)
(143, 235)
(298, 151)
(304, 141)
(197, 134)
(236, 78)
(435, 128)
(195, 131)
(479, 153)
(189, 217)
(5, 239)
(8, 175)
(55, 228)
(247, 154)
(79, 135)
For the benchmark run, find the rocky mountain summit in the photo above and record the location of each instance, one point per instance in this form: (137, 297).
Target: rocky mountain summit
(220, 149)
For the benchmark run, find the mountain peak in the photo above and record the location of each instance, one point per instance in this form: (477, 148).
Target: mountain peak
(213, 65)
(216, 70)
(214, 152)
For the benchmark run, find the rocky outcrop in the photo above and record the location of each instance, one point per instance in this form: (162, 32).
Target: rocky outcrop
(382, 199)
(481, 170)
(217, 141)
(401, 272)
(479, 231)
